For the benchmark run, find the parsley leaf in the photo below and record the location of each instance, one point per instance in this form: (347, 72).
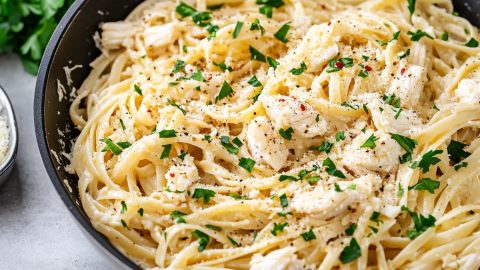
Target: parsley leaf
(426, 184)
(225, 141)
(178, 216)
(138, 89)
(370, 142)
(416, 36)
(254, 82)
(214, 228)
(167, 133)
(287, 177)
(404, 55)
(460, 165)
(179, 66)
(326, 147)
(223, 66)
(300, 70)
(411, 6)
(375, 217)
(427, 160)
(407, 144)
(166, 151)
(247, 164)
(115, 148)
(340, 136)
(172, 103)
(332, 169)
(124, 207)
(284, 200)
(203, 239)
(350, 252)
(472, 43)
(456, 152)
(281, 34)
(278, 228)
(140, 212)
(421, 223)
(256, 55)
(308, 236)
(238, 29)
(286, 134)
(257, 26)
(225, 91)
(444, 36)
(204, 194)
(185, 10)
(351, 229)
(272, 62)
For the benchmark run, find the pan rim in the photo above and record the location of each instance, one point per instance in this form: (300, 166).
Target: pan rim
(39, 122)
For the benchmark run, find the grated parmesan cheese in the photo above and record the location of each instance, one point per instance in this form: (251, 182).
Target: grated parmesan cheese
(4, 138)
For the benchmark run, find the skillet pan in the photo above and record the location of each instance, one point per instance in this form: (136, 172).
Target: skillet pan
(72, 44)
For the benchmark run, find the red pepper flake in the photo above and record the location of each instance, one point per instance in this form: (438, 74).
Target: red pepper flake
(403, 71)
(210, 77)
(149, 111)
(281, 100)
(368, 68)
(172, 174)
(329, 23)
(302, 107)
(339, 64)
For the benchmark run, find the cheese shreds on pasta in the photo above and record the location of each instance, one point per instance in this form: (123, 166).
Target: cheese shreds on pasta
(284, 134)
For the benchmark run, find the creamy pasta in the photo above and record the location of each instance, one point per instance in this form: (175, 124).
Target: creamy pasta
(284, 134)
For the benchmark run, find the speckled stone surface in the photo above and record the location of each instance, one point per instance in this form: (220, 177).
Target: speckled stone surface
(36, 230)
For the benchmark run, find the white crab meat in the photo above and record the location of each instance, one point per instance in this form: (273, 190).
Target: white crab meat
(288, 112)
(388, 118)
(264, 145)
(182, 175)
(280, 259)
(468, 91)
(325, 202)
(408, 85)
(384, 157)
(160, 36)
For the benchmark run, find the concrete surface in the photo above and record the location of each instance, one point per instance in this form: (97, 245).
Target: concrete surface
(36, 230)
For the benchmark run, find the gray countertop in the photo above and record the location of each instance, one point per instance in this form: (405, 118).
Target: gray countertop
(36, 229)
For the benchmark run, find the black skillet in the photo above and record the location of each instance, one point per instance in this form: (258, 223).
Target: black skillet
(72, 44)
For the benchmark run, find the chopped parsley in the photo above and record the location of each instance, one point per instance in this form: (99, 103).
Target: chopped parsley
(182, 156)
(460, 165)
(233, 241)
(204, 194)
(326, 147)
(207, 137)
(375, 217)
(472, 43)
(238, 197)
(254, 82)
(351, 229)
(370, 142)
(427, 160)
(122, 125)
(268, 5)
(138, 89)
(300, 70)
(416, 36)
(215, 7)
(257, 26)
(351, 252)
(407, 144)
(284, 200)
(287, 177)
(421, 223)
(286, 134)
(124, 224)
(363, 73)
(238, 29)
(140, 212)
(185, 10)
(167, 133)
(124, 207)
(392, 100)
(332, 169)
(281, 34)
(411, 6)
(166, 151)
(178, 216)
(172, 103)
(405, 54)
(256, 55)
(340, 136)
(426, 184)
(267, 11)
(225, 141)
(247, 164)
(384, 43)
(201, 18)
(179, 66)
(225, 91)
(272, 62)
(115, 148)
(223, 66)
(444, 36)
(456, 152)
(308, 236)
(212, 31)
(336, 65)
(197, 76)
(203, 239)
(237, 142)
(214, 228)
(278, 228)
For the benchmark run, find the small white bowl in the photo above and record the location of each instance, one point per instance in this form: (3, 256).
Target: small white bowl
(6, 165)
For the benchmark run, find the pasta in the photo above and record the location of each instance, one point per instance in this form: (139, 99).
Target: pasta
(284, 134)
